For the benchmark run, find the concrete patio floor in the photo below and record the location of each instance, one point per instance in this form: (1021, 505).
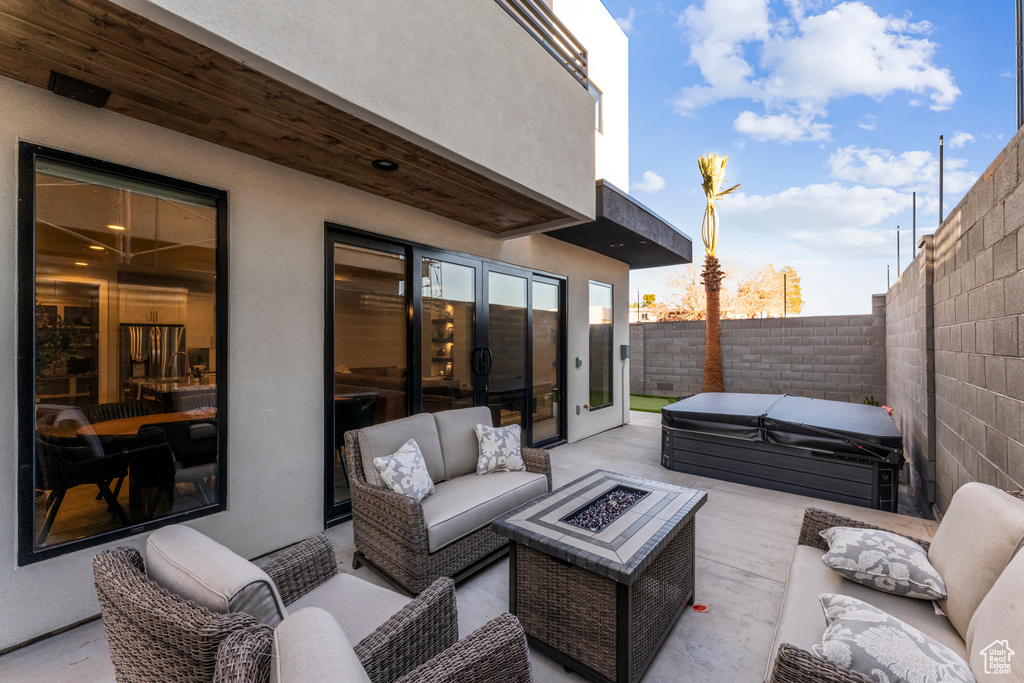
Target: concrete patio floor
(745, 540)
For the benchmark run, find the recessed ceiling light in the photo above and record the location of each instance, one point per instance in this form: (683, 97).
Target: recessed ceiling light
(116, 227)
(616, 245)
(97, 248)
(385, 165)
(81, 263)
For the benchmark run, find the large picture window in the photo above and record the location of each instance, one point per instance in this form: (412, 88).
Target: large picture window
(122, 283)
(600, 345)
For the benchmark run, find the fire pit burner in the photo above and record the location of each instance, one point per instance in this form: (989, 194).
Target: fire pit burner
(605, 509)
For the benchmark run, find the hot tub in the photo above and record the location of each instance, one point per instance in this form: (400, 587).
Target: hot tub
(846, 452)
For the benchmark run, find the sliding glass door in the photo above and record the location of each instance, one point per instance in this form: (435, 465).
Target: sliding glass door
(410, 329)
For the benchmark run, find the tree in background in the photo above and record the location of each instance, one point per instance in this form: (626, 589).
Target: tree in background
(712, 173)
(794, 300)
(760, 293)
(743, 293)
(648, 300)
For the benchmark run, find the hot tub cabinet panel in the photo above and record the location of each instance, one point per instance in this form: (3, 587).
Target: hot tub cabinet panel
(804, 446)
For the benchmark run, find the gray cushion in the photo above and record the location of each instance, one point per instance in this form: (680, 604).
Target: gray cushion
(310, 646)
(458, 439)
(500, 449)
(998, 623)
(865, 639)
(199, 569)
(884, 561)
(982, 529)
(802, 622)
(460, 506)
(405, 472)
(385, 439)
(360, 607)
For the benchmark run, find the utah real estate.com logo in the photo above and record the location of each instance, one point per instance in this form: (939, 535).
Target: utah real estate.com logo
(997, 657)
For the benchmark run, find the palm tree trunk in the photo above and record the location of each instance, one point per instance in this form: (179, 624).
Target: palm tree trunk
(712, 275)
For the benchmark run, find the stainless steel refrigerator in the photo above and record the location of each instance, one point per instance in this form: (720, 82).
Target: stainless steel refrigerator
(152, 352)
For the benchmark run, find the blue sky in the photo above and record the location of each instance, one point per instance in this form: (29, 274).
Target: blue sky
(830, 113)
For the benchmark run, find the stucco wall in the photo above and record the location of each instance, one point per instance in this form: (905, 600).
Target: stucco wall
(608, 63)
(460, 77)
(839, 358)
(977, 294)
(276, 225)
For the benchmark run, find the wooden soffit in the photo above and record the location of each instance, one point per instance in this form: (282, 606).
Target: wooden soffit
(159, 76)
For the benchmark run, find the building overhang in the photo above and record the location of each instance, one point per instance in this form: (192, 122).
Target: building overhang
(140, 68)
(628, 231)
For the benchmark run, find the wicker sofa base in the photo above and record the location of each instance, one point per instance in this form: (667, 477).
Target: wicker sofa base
(604, 630)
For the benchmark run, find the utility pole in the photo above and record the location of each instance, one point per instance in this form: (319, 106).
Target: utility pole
(785, 296)
(897, 251)
(1020, 65)
(940, 180)
(913, 235)
(887, 285)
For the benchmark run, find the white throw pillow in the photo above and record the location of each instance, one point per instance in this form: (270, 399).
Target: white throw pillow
(865, 639)
(405, 471)
(884, 561)
(500, 449)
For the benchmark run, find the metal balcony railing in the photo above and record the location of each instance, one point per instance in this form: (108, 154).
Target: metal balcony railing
(541, 23)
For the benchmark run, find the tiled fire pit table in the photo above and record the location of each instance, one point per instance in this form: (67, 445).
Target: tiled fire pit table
(602, 602)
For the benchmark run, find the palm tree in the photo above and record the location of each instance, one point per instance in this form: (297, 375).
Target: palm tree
(712, 172)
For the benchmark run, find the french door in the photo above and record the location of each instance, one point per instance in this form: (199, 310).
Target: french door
(410, 329)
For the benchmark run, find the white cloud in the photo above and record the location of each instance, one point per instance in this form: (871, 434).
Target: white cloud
(807, 60)
(912, 170)
(783, 128)
(869, 122)
(626, 23)
(960, 139)
(824, 219)
(1008, 74)
(651, 183)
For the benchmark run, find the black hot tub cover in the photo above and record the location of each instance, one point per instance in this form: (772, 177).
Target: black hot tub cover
(849, 429)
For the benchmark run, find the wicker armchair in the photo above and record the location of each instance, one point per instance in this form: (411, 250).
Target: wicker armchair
(391, 536)
(496, 652)
(154, 635)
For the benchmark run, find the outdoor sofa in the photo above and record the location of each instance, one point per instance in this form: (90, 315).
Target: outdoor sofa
(167, 623)
(975, 550)
(448, 533)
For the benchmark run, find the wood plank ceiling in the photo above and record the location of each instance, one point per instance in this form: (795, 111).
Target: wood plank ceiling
(161, 77)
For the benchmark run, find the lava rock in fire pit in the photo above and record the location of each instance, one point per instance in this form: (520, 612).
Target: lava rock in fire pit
(602, 511)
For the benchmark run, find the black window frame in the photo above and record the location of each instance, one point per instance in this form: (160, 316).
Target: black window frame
(611, 348)
(26, 376)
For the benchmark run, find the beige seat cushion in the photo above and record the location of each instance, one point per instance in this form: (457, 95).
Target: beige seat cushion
(461, 506)
(310, 646)
(998, 623)
(358, 606)
(199, 569)
(982, 529)
(802, 621)
(459, 445)
(384, 439)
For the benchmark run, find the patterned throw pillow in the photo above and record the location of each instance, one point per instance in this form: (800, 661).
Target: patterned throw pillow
(865, 639)
(405, 472)
(500, 449)
(884, 561)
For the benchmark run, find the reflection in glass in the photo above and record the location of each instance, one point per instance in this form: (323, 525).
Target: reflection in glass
(125, 352)
(371, 383)
(546, 352)
(507, 330)
(449, 334)
(600, 344)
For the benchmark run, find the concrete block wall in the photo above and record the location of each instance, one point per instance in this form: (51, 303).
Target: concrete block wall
(972, 421)
(839, 358)
(910, 365)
